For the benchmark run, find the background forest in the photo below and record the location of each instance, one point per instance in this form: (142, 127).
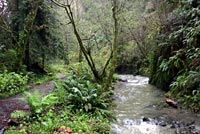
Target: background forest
(40, 39)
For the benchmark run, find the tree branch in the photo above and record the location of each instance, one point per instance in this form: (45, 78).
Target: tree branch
(135, 39)
(107, 63)
(86, 54)
(9, 30)
(59, 4)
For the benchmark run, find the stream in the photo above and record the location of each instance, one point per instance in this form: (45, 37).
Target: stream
(140, 109)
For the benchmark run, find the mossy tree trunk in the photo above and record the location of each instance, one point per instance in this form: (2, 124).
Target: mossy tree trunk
(28, 28)
(112, 66)
(20, 35)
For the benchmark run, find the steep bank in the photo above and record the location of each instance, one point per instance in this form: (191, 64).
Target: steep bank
(175, 61)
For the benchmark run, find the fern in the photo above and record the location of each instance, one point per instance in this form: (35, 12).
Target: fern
(33, 100)
(83, 94)
(38, 103)
(49, 99)
(18, 114)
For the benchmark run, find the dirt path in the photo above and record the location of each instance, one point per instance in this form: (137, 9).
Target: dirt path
(10, 104)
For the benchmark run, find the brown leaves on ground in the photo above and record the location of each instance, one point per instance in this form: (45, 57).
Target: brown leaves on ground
(64, 130)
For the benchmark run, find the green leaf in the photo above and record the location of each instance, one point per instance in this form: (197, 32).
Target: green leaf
(86, 108)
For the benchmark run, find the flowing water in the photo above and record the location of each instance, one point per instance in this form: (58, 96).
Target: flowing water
(140, 110)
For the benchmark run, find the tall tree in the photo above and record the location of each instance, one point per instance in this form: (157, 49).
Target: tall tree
(46, 41)
(115, 15)
(19, 26)
(32, 27)
(98, 74)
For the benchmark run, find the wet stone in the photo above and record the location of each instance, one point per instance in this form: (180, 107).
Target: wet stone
(123, 80)
(190, 123)
(188, 128)
(175, 124)
(1, 131)
(128, 122)
(145, 119)
(162, 123)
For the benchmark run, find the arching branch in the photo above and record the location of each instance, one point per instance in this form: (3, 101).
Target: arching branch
(86, 54)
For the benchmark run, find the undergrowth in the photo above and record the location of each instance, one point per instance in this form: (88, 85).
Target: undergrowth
(76, 103)
(12, 83)
(175, 62)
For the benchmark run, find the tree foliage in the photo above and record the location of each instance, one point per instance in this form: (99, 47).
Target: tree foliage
(175, 61)
(99, 75)
(28, 34)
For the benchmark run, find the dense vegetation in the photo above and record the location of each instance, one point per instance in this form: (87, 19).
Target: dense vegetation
(75, 104)
(35, 42)
(89, 41)
(175, 63)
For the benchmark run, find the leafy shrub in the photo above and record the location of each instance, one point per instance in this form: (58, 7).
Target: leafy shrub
(187, 89)
(115, 77)
(83, 94)
(35, 78)
(178, 64)
(192, 86)
(38, 103)
(196, 96)
(81, 69)
(186, 83)
(48, 123)
(193, 81)
(12, 83)
(18, 114)
(177, 86)
(57, 66)
(9, 59)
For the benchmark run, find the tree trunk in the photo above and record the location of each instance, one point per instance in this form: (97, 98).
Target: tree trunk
(115, 42)
(15, 24)
(80, 56)
(26, 57)
(28, 31)
(86, 53)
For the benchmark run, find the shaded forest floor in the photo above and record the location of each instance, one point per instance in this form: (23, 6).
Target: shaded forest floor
(10, 104)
